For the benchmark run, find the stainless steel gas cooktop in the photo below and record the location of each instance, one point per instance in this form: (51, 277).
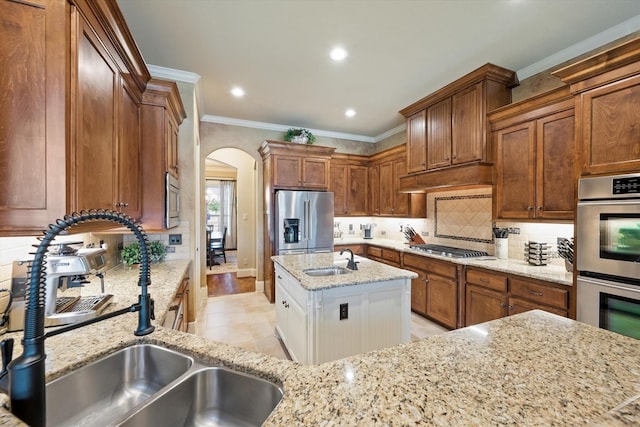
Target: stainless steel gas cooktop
(448, 251)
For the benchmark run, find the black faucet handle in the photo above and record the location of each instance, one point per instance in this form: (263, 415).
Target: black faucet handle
(6, 349)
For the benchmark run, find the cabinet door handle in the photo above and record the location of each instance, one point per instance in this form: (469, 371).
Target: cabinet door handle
(539, 208)
(503, 305)
(284, 302)
(279, 277)
(454, 157)
(510, 307)
(529, 208)
(538, 294)
(446, 157)
(286, 305)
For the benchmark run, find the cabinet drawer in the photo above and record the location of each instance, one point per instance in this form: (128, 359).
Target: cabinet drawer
(391, 255)
(441, 268)
(517, 305)
(415, 261)
(497, 282)
(374, 251)
(540, 293)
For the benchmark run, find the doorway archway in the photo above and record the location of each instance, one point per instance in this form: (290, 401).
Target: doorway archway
(233, 160)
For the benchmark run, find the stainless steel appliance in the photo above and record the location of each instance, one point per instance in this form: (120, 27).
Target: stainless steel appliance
(172, 201)
(448, 251)
(608, 227)
(66, 268)
(608, 253)
(304, 222)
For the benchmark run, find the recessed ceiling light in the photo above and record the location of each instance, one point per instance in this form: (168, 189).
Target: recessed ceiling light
(238, 92)
(338, 54)
(350, 112)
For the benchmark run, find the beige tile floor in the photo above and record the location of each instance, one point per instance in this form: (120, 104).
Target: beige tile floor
(248, 321)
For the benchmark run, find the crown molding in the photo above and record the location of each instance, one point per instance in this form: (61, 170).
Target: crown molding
(607, 36)
(173, 74)
(283, 128)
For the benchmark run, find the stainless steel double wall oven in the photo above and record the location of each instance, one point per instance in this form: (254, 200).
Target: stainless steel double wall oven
(608, 253)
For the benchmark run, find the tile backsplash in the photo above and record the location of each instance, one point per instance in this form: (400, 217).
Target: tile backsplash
(462, 219)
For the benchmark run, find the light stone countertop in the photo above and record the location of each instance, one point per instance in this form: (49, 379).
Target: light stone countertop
(530, 369)
(368, 271)
(549, 273)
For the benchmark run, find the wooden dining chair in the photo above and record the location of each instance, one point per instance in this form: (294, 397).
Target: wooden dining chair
(217, 246)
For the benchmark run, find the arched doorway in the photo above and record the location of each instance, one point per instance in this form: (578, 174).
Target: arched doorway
(221, 167)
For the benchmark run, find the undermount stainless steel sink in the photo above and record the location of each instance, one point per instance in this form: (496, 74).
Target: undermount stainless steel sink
(104, 391)
(149, 385)
(326, 271)
(211, 397)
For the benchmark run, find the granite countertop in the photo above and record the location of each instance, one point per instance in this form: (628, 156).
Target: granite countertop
(549, 273)
(529, 369)
(368, 271)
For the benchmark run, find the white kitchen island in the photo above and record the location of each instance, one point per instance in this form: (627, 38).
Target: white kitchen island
(324, 318)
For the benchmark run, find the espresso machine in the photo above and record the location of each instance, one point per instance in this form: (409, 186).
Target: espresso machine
(67, 268)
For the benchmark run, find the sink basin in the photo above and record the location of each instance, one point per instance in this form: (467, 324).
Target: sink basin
(211, 397)
(326, 271)
(102, 392)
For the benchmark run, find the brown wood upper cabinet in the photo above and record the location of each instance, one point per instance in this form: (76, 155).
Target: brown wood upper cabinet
(384, 179)
(451, 124)
(297, 166)
(607, 89)
(349, 184)
(76, 144)
(417, 148)
(162, 113)
(535, 161)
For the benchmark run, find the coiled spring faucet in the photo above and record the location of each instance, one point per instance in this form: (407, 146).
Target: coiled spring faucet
(26, 374)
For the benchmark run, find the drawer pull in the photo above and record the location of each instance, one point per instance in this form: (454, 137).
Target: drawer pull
(503, 305)
(484, 280)
(279, 277)
(538, 294)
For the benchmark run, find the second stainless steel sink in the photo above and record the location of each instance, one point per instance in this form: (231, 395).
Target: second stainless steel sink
(326, 271)
(211, 397)
(102, 392)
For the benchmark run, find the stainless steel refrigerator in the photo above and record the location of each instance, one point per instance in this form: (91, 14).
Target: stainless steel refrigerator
(304, 222)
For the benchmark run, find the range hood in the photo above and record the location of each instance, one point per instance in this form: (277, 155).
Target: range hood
(468, 175)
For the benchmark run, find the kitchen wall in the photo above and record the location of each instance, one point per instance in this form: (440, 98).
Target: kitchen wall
(460, 219)
(18, 248)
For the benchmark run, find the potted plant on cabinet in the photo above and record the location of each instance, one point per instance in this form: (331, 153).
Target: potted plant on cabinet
(300, 136)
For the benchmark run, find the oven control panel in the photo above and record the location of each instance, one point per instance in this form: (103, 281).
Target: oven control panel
(626, 185)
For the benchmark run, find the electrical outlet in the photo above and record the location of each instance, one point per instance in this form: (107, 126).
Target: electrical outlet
(424, 233)
(175, 239)
(171, 249)
(344, 311)
(513, 230)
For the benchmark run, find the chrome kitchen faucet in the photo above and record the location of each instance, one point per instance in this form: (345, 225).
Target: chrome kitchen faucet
(26, 374)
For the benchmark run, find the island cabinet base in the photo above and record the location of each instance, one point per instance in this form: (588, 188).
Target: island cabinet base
(332, 323)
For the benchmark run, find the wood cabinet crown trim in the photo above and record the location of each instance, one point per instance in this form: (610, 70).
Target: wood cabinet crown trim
(552, 101)
(270, 147)
(617, 57)
(486, 72)
(164, 93)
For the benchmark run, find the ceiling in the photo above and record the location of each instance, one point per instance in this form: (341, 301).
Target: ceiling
(399, 51)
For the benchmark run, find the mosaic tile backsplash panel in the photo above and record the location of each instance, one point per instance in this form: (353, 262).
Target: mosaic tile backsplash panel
(464, 217)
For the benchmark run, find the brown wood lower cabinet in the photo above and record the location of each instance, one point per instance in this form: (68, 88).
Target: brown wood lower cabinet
(490, 296)
(435, 292)
(385, 255)
(357, 249)
(177, 316)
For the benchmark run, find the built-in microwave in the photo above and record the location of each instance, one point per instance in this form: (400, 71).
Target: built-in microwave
(608, 227)
(172, 201)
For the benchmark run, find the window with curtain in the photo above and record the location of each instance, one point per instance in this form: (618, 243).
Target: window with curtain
(221, 200)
